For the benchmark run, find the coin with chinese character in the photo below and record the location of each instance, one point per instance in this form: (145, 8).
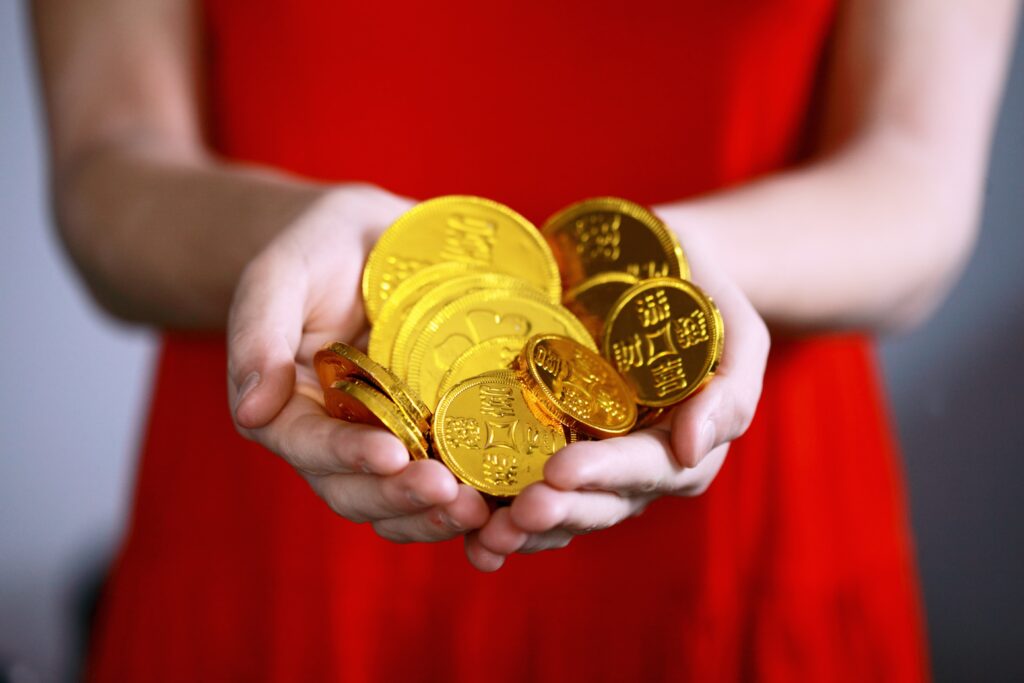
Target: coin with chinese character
(487, 356)
(339, 361)
(577, 386)
(665, 338)
(471, 230)
(486, 434)
(480, 316)
(592, 299)
(608, 234)
(354, 400)
(397, 306)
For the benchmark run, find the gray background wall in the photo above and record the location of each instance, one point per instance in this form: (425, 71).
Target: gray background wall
(73, 394)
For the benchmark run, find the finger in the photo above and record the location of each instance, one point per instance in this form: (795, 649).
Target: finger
(264, 329)
(540, 509)
(723, 410)
(640, 464)
(316, 444)
(500, 535)
(441, 523)
(369, 498)
(479, 556)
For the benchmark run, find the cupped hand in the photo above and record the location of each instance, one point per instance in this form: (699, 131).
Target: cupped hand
(301, 291)
(594, 485)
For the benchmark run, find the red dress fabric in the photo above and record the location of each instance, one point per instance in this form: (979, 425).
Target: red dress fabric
(796, 565)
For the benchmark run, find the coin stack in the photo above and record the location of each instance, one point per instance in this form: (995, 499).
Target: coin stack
(476, 356)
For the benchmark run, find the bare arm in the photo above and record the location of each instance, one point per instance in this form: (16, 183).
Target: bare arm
(873, 232)
(159, 229)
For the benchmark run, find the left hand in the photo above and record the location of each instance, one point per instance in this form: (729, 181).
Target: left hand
(597, 484)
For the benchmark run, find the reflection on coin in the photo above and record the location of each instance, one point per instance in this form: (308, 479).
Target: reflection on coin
(356, 401)
(480, 316)
(610, 234)
(396, 308)
(591, 301)
(487, 356)
(477, 232)
(339, 361)
(665, 338)
(486, 434)
(577, 386)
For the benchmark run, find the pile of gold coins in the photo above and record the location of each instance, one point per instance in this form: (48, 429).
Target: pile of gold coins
(493, 344)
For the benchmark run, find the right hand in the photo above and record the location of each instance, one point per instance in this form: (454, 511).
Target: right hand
(301, 291)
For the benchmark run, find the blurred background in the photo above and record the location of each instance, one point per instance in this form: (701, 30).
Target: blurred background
(73, 396)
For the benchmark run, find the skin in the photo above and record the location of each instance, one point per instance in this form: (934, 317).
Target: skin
(165, 233)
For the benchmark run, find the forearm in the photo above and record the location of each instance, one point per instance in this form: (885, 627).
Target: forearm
(162, 238)
(870, 237)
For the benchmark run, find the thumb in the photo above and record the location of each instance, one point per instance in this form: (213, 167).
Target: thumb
(264, 330)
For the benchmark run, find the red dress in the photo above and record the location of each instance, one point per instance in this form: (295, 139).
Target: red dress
(796, 565)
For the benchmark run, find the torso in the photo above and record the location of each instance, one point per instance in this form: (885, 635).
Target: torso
(795, 565)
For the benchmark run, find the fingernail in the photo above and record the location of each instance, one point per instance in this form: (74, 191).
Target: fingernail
(247, 386)
(707, 438)
(449, 522)
(416, 499)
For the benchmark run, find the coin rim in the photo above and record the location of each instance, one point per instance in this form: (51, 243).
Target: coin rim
(383, 409)
(705, 302)
(536, 385)
(381, 379)
(553, 285)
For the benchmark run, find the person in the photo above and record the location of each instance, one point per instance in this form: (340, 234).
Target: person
(223, 165)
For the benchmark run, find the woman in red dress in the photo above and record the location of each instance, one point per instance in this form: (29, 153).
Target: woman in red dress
(821, 165)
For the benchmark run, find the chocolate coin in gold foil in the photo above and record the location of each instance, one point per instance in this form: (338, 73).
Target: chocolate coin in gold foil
(431, 303)
(576, 386)
(665, 338)
(592, 299)
(474, 231)
(487, 435)
(396, 309)
(354, 400)
(477, 317)
(487, 356)
(339, 361)
(608, 234)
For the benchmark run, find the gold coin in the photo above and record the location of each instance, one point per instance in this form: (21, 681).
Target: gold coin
(353, 400)
(592, 299)
(396, 308)
(339, 361)
(610, 234)
(470, 230)
(577, 386)
(443, 294)
(480, 316)
(665, 338)
(486, 434)
(487, 356)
